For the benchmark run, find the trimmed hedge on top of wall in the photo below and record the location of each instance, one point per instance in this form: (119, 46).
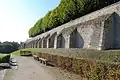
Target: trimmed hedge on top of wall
(67, 10)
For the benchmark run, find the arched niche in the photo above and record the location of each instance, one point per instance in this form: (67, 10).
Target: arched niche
(52, 40)
(60, 41)
(45, 41)
(76, 40)
(32, 44)
(39, 44)
(36, 42)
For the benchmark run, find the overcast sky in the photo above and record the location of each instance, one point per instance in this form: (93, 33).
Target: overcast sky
(18, 16)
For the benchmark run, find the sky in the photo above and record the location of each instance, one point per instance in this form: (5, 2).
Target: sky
(18, 16)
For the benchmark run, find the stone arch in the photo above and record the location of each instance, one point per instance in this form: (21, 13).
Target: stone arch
(60, 41)
(42, 40)
(32, 44)
(45, 41)
(28, 44)
(40, 43)
(52, 40)
(76, 40)
(36, 41)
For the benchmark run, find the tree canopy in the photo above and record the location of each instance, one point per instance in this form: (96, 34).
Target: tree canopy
(8, 47)
(67, 10)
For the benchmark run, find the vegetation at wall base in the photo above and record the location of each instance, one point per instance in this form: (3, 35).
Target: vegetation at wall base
(16, 53)
(86, 67)
(25, 53)
(66, 11)
(21, 52)
(107, 55)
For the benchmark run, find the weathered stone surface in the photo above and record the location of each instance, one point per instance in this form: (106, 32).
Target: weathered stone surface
(97, 30)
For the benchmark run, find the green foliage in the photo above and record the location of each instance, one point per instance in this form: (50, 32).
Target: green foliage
(8, 47)
(4, 58)
(25, 53)
(16, 53)
(67, 10)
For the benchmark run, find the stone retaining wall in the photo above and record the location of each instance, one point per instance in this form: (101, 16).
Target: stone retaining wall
(97, 30)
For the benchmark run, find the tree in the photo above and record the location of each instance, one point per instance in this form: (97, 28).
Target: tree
(8, 47)
(67, 10)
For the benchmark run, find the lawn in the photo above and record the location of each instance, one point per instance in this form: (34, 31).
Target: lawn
(16, 53)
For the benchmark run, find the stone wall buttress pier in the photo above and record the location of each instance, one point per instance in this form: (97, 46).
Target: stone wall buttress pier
(97, 30)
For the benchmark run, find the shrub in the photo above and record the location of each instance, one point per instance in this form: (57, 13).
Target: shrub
(86, 68)
(25, 53)
(4, 58)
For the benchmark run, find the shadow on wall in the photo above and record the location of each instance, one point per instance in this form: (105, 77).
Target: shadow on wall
(112, 32)
(60, 41)
(45, 41)
(117, 31)
(76, 40)
(51, 40)
(39, 43)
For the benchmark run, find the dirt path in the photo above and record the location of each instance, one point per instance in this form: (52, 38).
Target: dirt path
(30, 69)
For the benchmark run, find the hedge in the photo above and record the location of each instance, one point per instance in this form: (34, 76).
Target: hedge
(106, 55)
(86, 68)
(67, 10)
(4, 58)
(25, 53)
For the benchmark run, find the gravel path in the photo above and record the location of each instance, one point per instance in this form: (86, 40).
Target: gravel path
(30, 69)
(2, 72)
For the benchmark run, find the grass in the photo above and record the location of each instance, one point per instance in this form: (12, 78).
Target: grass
(16, 53)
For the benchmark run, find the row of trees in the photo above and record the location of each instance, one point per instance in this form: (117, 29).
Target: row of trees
(8, 47)
(67, 10)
